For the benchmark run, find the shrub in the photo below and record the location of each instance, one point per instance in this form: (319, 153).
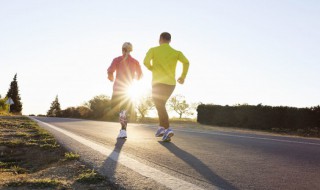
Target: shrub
(261, 117)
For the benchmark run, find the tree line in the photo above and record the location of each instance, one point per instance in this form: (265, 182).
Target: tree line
(99, 108)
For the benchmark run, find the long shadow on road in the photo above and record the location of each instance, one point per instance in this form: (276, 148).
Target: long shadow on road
(110, 164)
(199, 166)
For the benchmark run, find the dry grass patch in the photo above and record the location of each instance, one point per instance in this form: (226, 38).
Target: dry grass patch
(30, 158)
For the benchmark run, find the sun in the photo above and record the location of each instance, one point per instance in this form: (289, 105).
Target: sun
(136, 91)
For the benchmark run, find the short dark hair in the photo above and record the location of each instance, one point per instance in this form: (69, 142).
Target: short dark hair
(166, 36)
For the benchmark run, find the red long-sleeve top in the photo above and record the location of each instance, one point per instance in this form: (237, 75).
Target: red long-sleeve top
(126, 70)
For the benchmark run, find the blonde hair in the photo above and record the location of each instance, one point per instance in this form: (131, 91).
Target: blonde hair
(126, 49)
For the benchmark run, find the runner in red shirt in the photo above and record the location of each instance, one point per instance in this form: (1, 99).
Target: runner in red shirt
(127, 68)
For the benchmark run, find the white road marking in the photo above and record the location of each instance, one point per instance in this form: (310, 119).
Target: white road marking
(124, 159)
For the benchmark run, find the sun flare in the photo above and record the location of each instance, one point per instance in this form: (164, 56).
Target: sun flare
(136, 91)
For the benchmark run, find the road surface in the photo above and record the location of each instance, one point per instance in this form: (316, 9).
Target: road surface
(195, 159)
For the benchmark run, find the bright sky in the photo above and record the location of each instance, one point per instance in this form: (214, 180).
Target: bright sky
(239, 51)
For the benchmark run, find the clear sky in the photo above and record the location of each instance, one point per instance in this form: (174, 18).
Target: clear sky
(247, 51)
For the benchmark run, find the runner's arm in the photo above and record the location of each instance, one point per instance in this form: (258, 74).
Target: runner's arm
(185, 65)
(112, 68)
(147, 59)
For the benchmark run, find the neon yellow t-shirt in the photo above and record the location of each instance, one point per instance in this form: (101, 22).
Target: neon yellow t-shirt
(164, 62)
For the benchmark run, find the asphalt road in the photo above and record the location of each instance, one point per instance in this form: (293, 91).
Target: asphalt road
(204, 159)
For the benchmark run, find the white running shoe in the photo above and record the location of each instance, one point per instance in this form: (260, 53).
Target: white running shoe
(122, 134)
(167, 135)
(160, 131)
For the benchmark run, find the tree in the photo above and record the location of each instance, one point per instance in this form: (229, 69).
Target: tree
(3, 105)
(76, 112)
(84, 111)
(100, 105)
(144, 105)
(13, 93)
(70, 112)
(55, 110)
(178, 104)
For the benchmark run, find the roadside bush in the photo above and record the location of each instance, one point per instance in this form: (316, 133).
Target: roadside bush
(3, 105)
(262, 117)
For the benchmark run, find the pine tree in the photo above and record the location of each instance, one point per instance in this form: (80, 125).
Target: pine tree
(13, 93)
(55, 110)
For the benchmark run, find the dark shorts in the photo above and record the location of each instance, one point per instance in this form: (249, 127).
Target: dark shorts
(162, 92)
(120, 101)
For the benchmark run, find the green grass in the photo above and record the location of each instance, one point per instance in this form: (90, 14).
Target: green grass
(36, 183)
(12, 143)
(71, 156)
(47, 140)
(23, 134)
(42, 134)
(50, 146)
(6, 164)
(18, 170)
(90, 176)
(7, 167)
(32, 142)
(17, 123)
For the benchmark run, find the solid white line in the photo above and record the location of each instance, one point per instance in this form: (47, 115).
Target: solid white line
(124, 159)
(248, 137)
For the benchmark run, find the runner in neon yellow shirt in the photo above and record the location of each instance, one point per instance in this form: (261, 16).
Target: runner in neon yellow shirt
(162, 61)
